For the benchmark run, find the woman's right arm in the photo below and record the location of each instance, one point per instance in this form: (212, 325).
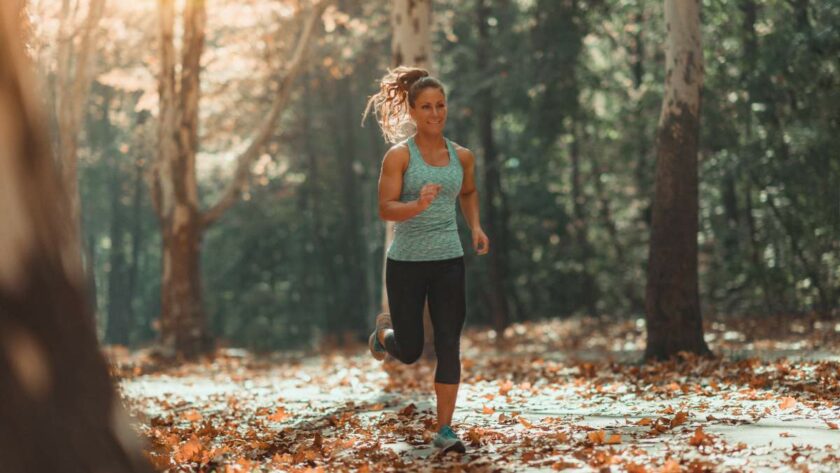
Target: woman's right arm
(390, 186)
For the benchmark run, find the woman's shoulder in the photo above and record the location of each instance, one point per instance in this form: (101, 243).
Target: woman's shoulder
(397, 155)
(464, 154)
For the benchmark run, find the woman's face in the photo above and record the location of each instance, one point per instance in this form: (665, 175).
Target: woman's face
(429, 111)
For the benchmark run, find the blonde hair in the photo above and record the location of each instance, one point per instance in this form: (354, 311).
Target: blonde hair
(398, 90)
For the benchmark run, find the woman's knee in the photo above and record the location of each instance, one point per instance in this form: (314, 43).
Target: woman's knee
(411, 357)
(448, 350)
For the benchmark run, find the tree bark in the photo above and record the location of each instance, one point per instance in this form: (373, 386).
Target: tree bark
(73, 79)
(674, 321)
(59, 408)
(493, 194)
(411, 45)
(173, 183)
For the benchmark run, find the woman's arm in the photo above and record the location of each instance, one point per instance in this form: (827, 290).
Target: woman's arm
(469, 202)
(390, 186)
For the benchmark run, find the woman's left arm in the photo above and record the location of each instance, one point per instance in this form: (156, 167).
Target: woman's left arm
(469, 202)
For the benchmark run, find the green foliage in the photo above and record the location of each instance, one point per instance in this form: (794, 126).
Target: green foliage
(301, 258)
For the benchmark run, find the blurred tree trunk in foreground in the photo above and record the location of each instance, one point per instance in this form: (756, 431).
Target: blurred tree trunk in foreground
(59, 408)
(674, 321)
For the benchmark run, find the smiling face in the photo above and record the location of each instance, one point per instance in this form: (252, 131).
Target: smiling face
(429, 110)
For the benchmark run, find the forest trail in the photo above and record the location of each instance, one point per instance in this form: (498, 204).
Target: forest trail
(546, 405)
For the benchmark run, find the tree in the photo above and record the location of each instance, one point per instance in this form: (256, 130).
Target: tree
(74, 76)
(674, 322)
(411, 45)
(496, 212)
(59, 408)
(174, 185)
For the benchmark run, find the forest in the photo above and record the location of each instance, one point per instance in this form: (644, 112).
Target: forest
(190, 196)
(560, 101)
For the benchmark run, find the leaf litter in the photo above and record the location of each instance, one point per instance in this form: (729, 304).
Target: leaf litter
(550, 396)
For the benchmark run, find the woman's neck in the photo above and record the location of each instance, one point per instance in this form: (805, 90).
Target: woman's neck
(429, 140)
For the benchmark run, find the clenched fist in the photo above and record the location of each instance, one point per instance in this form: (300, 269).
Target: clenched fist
(428, 193)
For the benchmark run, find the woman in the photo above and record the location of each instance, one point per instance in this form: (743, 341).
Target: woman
(420, 180)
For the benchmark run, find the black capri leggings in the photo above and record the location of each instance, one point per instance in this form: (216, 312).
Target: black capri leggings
(409, 283)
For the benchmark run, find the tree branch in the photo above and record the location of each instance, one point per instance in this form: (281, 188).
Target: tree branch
(244, 160)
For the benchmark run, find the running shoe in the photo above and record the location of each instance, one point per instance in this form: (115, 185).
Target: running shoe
(447, 441)
(383, 322)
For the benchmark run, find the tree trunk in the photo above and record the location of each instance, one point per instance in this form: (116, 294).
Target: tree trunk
(73, 80)
(411, 45)
(674, 322)
(589, 289)
(494, 219)
(173, 184)
(117, 330)
(59, 408)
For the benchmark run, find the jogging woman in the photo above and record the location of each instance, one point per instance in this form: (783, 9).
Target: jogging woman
(421, 178)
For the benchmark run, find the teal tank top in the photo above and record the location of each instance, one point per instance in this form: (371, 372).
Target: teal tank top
(431, 235)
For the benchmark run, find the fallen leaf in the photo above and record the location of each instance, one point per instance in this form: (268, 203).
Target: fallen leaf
(488, 410)
(504, 387)
(679, 419)
(671, 466)
(635, 468)
(613, 439)
(831, 425)
(189, 451)
(191, 415)
(787, 403)
(645, 421)
(597, 437)
(279, 415)
(698, 438)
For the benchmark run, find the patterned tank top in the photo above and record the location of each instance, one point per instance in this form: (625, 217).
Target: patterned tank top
(431, 235)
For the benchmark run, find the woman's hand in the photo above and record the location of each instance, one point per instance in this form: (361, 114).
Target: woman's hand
(481, 243)
(428, 193)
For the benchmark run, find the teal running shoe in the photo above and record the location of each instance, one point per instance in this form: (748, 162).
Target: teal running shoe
(447, 441)
(383, 322)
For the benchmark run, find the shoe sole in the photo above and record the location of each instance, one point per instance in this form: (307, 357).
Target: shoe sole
(455, 447)
(378, 355)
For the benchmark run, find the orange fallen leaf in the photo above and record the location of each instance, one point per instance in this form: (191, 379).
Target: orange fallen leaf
(679, 419)
(671, 466)
(189, 451)
(635, 468)
(599, 436)
(281, 460)
(279, 415)
(474, 436)
(408, 410)
(787, 403)
(488, 410)
(831, 425)
(613, 439)
(698, 438)
(645, 421)
(505, 387)
(525, 422)
(191, 415)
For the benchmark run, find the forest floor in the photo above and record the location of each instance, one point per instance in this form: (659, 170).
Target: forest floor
(560, 395)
